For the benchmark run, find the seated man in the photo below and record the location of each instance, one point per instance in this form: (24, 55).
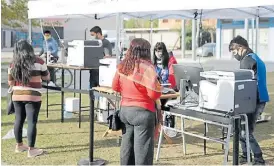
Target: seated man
(50, 47)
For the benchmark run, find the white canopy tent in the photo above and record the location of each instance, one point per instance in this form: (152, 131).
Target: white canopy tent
(151, 9)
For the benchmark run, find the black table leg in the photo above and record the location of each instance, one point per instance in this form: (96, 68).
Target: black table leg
(223, 136)
(108, 110)
(80, 99)
(74, 81)
(47, 100)
(205, 130)
(62, 97)
(91, 160)
(236, 139)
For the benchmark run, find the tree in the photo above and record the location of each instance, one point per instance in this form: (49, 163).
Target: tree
(15, 14)
(139, 23)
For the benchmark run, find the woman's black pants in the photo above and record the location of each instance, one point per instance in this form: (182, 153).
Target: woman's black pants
(23, 110)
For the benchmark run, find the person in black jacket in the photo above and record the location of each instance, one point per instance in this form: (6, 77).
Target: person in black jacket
(249, 60)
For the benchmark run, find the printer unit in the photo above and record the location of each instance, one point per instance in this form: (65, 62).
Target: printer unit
(85, 53)
(231, 92)
(107, 71)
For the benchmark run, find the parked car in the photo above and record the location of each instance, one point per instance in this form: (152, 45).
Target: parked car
(206, 50)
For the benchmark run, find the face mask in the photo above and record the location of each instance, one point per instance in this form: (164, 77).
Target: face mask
(92, 37)
(238, 57)
(159, 55)
(47, 37)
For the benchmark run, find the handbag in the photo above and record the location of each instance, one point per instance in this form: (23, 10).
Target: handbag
(115, 123)
(10, 106)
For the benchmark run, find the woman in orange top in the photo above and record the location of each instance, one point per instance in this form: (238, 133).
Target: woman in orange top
(137, 82)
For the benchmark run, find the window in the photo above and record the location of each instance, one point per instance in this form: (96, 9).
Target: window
(165, 20)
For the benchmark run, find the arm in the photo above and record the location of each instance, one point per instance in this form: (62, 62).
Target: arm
(115, 83)
(250, 64)
(154, 95)
(11, 81)
(44, 72)
(171, 77)
(54, 47)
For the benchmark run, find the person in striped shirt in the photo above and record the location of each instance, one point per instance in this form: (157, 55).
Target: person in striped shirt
(25, 76)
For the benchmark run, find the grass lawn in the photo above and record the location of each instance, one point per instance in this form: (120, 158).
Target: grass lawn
(66, 144)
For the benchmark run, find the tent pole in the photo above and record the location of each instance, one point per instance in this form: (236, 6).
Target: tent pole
(183, 34)
(150, 37)
(150, 34)
(218, 39)
(30, 29)
(257, 32)
(118, 23)
(194, 39)
(252, 33)
(246, 30)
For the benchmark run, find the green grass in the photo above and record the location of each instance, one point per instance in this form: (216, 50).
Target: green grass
(5, 63)
(66, 144)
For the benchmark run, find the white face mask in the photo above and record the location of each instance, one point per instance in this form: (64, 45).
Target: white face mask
(159, 55)
(92, 37)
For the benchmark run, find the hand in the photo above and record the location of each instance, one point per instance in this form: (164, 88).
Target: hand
(158, 105)
(107, 56)
(43, 56)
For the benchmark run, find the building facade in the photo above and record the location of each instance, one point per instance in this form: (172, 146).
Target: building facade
(176, 23)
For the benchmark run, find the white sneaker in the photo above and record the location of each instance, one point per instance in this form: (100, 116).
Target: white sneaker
(35, 152)
(51, 83)
(22, 148)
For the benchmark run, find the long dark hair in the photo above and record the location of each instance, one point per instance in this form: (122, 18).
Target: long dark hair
(139, 50)
(165, 55)
(23, 62)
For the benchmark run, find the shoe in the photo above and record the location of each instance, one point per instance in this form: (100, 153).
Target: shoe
(243, 159)
(259, 161)
(35, 152)
(51, 84)
(22, 148)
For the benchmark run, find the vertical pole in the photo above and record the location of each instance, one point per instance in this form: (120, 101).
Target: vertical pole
(236, 139)
(270, 55)
(183, 42)
(118, 31)
(218, 39)
(151, 31)
(123, 34)
(257, 32)
(193, 39)
(246, 30)
(80, 98)
(150, 37)
(30, 29)
(252, 32)
(91, 124)
(62, 96)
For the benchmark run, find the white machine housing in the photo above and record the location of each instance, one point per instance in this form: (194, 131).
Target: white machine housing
(72, 104)
(233, 92)
(107, 71)
(85, 53)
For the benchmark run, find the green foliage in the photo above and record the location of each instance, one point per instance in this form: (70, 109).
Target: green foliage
(15, 14)
(139, 23)
(207, 34)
